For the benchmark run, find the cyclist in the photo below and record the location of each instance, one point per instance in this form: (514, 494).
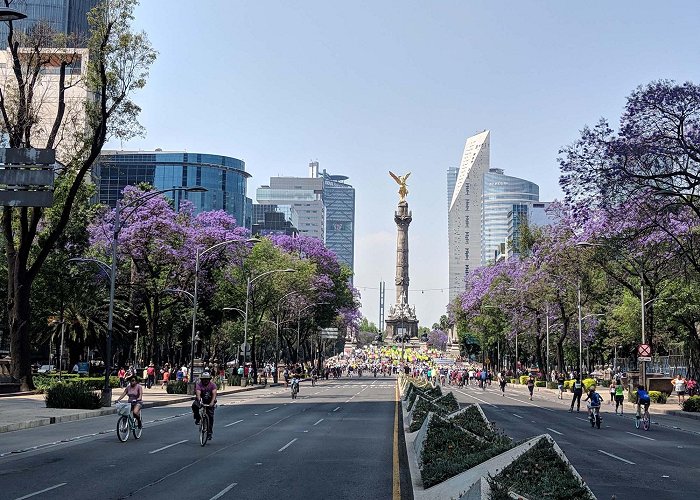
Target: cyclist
(295, 383)
(594, 401)
(134, 393)
(642, 399)
(205, 393)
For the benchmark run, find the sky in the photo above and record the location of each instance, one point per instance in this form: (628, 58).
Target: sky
(365, 87)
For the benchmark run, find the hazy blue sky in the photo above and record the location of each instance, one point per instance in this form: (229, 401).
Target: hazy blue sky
(367, 87)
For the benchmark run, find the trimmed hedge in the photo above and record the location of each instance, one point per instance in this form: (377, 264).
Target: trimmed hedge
(512, 380)
(43, 383)
(176, 387)
(538, 473)
(540, 383)
(587, 382)
(552, 385)
(429, 393)
(692, 404)
(442, 406)
(655, 396)
(523, 379)
(471, 420)
(448, 451)
(72, 395)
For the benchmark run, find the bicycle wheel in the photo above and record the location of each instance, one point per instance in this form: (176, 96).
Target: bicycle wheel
(203, 430)
(646, 421)
(137, 431)
(597, 421)
(123, 429)
(636, 422)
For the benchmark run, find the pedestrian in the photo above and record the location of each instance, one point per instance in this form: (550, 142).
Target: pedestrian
(678, 384)
(531, 385)
(560, 385)
(612, 393)
(151, 375)
(619, 396)
(502, 383)
(166, 378)
(122, 377)
(578, 392)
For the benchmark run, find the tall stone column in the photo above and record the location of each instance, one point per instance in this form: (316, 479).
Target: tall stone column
(403, 219)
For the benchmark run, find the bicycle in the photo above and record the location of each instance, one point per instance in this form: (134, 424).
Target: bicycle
(594, 416)
(644, 418)
(127, 423)
(204, 424)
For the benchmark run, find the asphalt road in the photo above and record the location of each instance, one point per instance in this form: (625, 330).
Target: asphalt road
(335, 441)
(617, 459)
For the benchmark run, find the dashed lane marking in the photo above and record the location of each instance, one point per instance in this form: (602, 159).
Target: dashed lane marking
(234, 423)
(166, 447)
(554, 431)
(637, 435)
(271, 409)
(516, 415)
(337, 408)
(223, 492)
(319, 421)
(42, 491)
(287, 445)
(616, 457)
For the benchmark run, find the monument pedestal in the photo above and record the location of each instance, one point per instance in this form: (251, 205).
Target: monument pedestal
(401, 327)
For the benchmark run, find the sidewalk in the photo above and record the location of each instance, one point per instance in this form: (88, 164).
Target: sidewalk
(669, 408)
(27, 411)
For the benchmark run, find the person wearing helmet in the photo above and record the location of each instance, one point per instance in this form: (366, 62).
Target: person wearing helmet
(205, 393)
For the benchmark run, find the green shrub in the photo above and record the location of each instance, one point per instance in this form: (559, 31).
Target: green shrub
(442, 406)
(449, 451)
(512, 380)
(233, 380)
(692, 404)
(540, 383)
(523, 379)
(552, 385)
(71, 395)
(472, 420)
(588, 382)
(429, 393)
(43, 382)
(605, 383)
(657, 397)
(176, 387)
(569, 385)
(632, 396)
(538, 473)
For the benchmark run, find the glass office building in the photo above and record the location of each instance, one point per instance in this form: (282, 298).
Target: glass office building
(339, 200)
(501, 192)
(63, 16)
(224, 177)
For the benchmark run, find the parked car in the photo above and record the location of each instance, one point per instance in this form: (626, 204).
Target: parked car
(46, 369)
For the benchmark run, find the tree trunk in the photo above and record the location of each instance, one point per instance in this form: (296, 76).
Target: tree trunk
(19, 317)
(253, 359)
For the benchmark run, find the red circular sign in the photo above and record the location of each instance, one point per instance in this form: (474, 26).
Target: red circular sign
(644, 350)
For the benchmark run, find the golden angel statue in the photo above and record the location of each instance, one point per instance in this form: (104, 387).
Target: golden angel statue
(401, 181)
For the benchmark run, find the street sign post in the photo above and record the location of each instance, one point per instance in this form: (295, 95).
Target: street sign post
(644, 350)
(644, 358)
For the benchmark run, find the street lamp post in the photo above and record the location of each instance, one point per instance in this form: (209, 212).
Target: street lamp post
(277, 334)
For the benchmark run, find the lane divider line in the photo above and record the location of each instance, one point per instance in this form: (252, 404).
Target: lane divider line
(639, 436)
(616, 457)
(223, 492)
(271, 409)
(338, 408)
(555, 432)
(234, 423)
(42, 491)
(287, 445)
(516, 415)
(319, 421)
(166, 447)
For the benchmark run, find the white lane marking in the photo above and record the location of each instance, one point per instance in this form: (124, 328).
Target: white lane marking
(643, 437)
(516, 415)
(287, 445)
(271, 409)
(223, 492)
(615, 456)
(319, 421)
(42, 491)
(555, 432)
(166, 447)
(337, 408)
(481, 400)
(582, 419)
(233, 423)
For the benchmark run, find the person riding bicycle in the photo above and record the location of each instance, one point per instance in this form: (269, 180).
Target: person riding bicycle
(642, 399)
(594, 400)
(205, 393)
(295, 383)
(134, 392)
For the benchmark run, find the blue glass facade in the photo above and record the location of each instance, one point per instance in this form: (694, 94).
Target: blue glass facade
(63, 16)
(224, 177)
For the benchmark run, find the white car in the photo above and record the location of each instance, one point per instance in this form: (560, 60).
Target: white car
(46, 369)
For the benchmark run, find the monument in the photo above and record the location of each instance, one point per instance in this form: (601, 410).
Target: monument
(402, 322)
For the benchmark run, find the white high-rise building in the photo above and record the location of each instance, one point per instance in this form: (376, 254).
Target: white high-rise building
(464, 215)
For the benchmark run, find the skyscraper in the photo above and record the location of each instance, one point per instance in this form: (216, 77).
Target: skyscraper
(224, 177)
(452, 173)
(501, 193)
(63, 16)
(464, 214)
(339, 200)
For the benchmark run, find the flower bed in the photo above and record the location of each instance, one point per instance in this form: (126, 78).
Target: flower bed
(442, 406)
(448, 451)
(538, 473)
(472, 420)
(429, 393)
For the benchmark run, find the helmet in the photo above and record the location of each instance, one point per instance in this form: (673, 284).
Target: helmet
(205, 375)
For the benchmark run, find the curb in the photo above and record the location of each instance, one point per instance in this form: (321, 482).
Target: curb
(40, 422)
